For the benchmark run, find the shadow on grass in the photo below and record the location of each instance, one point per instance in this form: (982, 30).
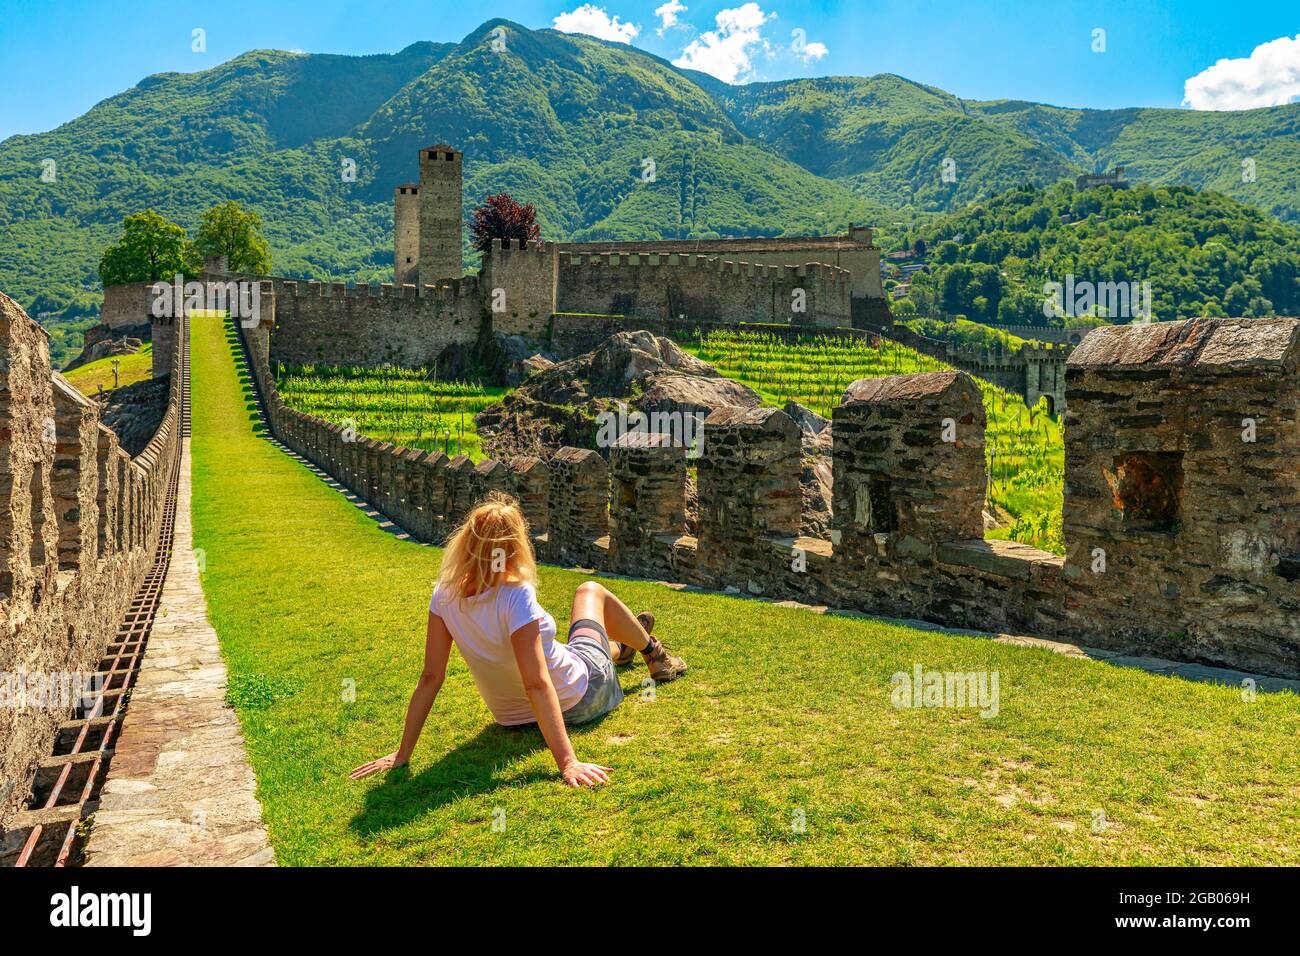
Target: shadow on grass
(245, 379)
(476, 766)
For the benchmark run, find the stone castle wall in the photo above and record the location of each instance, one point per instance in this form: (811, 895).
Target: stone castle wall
(79, 522)
(1183, 469)
(702, 289)
(854, 252)
(519, 281)
(518, 291)
(126, 306)
(374, 325)
(909, 481)
(1031, 372)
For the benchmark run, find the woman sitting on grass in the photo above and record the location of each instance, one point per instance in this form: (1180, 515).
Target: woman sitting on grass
(486, 603)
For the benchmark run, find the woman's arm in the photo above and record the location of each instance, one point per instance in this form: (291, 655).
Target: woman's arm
(437, 649)
(527, 645)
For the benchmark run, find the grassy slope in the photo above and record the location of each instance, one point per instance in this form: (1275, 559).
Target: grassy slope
(304, 590)
(135, 367)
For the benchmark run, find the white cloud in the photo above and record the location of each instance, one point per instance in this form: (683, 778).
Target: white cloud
(728, 52)
(1270, 76)
(594, 21)
(667, 14)
(808, 52)
(814, 51)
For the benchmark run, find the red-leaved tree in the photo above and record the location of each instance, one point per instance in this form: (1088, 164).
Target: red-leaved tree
(500, 217)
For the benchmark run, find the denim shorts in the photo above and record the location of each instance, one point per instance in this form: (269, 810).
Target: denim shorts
(589, 641)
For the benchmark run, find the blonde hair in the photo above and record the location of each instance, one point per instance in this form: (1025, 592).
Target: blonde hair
(490, 546)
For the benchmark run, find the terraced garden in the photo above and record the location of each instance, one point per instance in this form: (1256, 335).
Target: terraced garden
(403, 406)
(1025, 449)
(410, 407)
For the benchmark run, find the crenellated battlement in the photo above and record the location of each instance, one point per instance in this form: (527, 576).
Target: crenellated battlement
(703, 288)
(1154, 433)
(519, 245)
(79, 521)
(757, 270)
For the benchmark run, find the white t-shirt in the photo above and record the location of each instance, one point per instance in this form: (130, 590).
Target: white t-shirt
(481, 627)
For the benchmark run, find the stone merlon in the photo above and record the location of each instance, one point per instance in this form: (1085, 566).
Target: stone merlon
(906, 388)
(1228, 344)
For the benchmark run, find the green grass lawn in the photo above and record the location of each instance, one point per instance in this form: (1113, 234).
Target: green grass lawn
(132, 368)
(785, 715)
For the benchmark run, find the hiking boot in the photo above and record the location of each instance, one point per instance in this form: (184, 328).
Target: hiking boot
(664, 667)
(622, 653)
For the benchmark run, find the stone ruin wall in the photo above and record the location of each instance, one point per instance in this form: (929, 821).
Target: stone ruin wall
(1031, 372)
(906, 536)
(408, 325)
(702, 288)
(79, 523)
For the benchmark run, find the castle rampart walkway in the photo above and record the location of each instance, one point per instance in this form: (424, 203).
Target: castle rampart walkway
(180, 791)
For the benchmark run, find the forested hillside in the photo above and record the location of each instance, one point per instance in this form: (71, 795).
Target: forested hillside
(1202, 253)
(606, 140)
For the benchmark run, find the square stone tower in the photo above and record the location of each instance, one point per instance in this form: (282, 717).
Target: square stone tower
(406, 234)
(440, 222)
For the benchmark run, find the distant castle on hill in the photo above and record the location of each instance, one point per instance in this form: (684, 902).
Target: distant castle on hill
(1115, 179)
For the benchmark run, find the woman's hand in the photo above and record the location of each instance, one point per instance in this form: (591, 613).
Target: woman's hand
(579, 774)
(377, 766)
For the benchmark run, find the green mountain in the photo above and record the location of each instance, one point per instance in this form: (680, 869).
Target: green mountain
(606, 140)
(888, 137)
(1202, 253)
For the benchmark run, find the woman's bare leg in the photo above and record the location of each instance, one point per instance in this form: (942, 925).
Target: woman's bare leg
(595, 602)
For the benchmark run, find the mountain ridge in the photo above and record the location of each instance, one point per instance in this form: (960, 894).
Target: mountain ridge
(568, 122)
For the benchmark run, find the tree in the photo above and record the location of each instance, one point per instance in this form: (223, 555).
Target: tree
(947, 252)
(918, 248)
(234, 232)
(151, 249)
(500, 217)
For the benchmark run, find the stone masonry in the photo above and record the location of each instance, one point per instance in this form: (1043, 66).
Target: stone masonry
(79, 521)
(1183, 470)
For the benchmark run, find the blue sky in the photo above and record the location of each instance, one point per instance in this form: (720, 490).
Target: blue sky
(57, 59)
